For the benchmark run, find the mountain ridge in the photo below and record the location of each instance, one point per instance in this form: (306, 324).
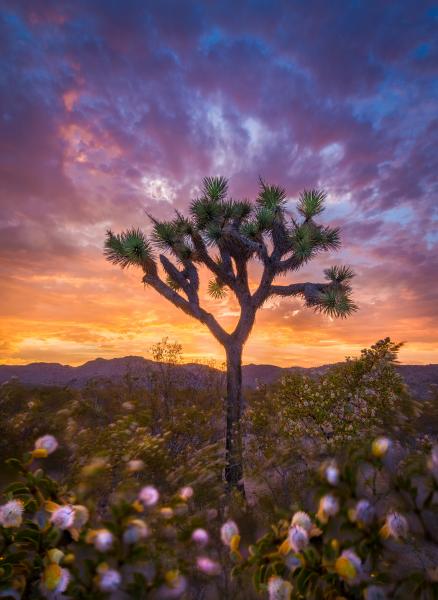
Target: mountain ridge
(419, 378)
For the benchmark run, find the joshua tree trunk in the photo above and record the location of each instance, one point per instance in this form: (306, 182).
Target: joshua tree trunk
(233, 446)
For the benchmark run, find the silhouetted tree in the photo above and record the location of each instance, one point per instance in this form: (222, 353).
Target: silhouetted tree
(239, 231)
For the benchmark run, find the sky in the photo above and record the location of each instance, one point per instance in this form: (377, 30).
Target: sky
(109, 110)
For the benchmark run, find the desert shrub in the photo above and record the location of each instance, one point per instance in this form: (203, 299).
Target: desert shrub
(351, 402)
(142, 545)
(371, 532)
(117, 422)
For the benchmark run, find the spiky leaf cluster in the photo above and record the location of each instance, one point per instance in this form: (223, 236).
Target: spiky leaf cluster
(240, 230)
(336, 302)
(311, 203)
(131, 247)
(216, 289)
(339, 274)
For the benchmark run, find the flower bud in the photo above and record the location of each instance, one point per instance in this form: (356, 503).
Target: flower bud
(200, 536)
(208, 566)
(55, 555)
(46, 442)
(302, 519)
(328, 507)
(63, 517)
(54, 580)
(395, 526)
(229, 530)
(298, 538)
(11, 513)
(348, 566)
(109, 580)
(186, 493)
(136, 530)
(380, 446)
(332, 474)
(102, 539)
(149, 495)
(279, 588)
(135, 465)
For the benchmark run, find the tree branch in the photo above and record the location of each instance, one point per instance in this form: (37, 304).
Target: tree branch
(204, 257)
(310, 291)
(190, 308)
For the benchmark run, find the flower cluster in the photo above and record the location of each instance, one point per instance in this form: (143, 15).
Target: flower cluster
(360, 535)
(142, 545)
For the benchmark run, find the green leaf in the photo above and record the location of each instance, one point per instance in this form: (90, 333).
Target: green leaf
(339, 274)
(215, 188)
(165, 234)
(335, 302)
(311, 203)
(131, 247)
(216, 289)
(17, 488)
(172, 283)
(271, 197)
(205, 212)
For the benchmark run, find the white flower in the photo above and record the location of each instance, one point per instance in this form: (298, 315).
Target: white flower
(208, 566)
(396, 526)
(63, 517)
(228, 530)
(149, 495)
(136, 530)
(380, 446)
(186, 492)
(332, 474)
(328, 507)
(11, 513)
(103, 540)
(109, 580)
(302, 519)
(47, 442)
(298, 538)
(200, 536)
(81, 516)
(363, 512)
(279, 589)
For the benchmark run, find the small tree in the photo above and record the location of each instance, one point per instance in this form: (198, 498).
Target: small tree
(239, 231)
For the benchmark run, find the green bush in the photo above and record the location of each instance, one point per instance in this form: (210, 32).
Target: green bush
(54, 541)
(318, 417)
(373, 532)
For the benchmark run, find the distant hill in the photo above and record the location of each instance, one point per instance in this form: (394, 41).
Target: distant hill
(419, 378)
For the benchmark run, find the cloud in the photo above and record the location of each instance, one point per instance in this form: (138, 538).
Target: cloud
(107, 113)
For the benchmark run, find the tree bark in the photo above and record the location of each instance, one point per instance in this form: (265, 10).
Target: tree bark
(233, 445)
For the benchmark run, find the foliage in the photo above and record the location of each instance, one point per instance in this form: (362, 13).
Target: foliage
(319, 416)
(374, 534)
(117, 438)
(53, 541)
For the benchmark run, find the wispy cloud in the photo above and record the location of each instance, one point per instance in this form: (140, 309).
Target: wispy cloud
(108, 111)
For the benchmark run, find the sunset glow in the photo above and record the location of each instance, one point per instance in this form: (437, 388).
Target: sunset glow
(113, 110)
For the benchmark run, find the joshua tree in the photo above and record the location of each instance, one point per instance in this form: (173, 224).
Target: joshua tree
(239, 231)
